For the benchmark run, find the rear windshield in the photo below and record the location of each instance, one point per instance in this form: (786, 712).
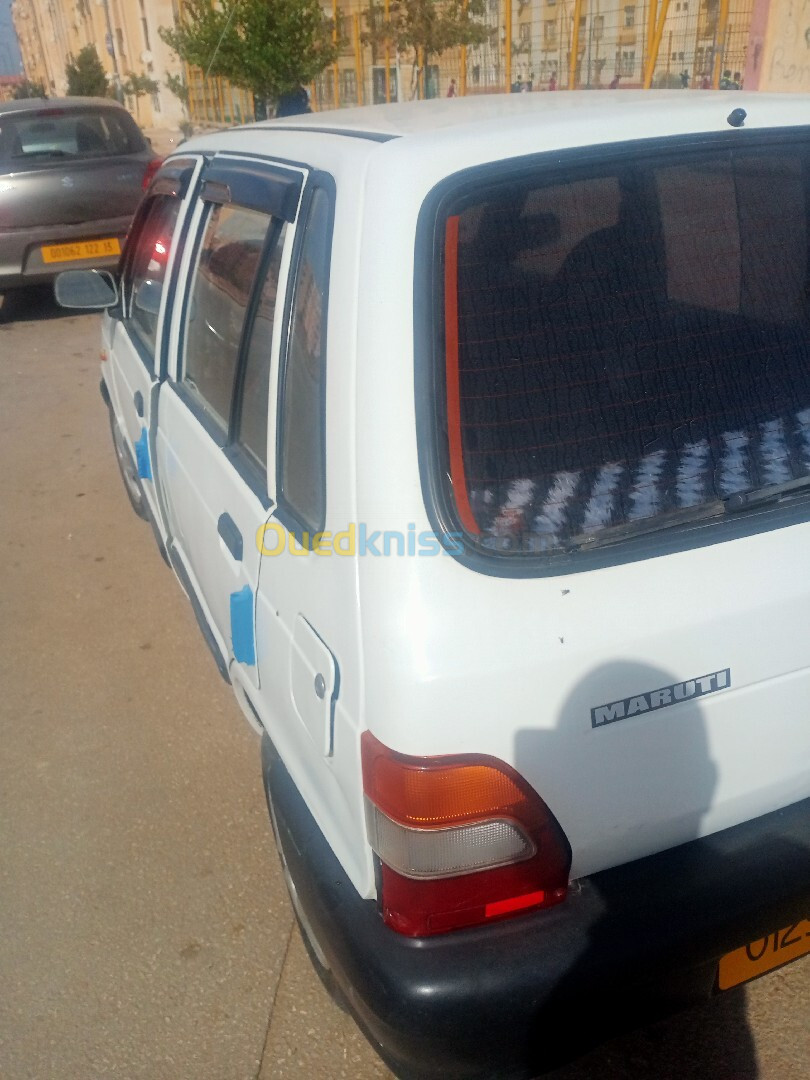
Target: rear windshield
(59, 134)
(624, 346)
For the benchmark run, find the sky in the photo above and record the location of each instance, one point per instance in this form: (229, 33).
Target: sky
(9, 48)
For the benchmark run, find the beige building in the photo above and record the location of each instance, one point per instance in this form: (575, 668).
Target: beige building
(532, 44)
(779, 57)
(125, 34)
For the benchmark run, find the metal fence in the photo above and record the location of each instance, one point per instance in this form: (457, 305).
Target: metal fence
(531, 45)
(213, 101)
(545, 45)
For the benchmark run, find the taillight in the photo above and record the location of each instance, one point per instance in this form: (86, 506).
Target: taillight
(462, 840)
(150, 171)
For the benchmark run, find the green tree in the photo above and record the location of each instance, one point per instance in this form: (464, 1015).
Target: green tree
(266, 46)
(85, 74)
(177, 85)
(28, 89)
(423, 29)
(138, 86)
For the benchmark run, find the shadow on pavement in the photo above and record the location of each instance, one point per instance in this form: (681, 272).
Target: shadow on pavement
(30, 305)
(712, 1039)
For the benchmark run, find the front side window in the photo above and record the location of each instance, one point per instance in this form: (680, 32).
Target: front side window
(144, 277)
(302, 389)
(623, 348)
(227, 264)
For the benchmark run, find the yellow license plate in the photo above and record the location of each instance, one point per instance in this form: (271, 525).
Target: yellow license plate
(763, 955)
(83, 249)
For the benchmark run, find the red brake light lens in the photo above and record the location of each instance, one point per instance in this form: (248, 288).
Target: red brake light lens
(462, 840)
(150, 171)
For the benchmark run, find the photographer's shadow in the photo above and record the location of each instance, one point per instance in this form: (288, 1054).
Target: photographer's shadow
(626, 789)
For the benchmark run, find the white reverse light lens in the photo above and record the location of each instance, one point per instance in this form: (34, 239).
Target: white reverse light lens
(434, 853)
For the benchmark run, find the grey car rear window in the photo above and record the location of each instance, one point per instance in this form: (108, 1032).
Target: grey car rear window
(624, 344)
(55, 134)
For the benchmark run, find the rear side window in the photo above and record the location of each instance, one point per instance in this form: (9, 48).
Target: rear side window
(252, 424)
(63, 135)
(227, 265)
(623, 347)
(303, 385)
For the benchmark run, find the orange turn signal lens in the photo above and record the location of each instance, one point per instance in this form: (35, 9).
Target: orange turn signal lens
(436, 792)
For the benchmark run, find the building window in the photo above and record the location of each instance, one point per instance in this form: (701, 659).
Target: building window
(348, 88)
(630, 16)
(144, 26)
(628, 65)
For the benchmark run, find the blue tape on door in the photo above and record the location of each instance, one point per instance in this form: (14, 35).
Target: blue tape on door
(142, 456)
(244, 642)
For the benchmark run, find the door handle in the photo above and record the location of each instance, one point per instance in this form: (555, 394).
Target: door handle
(138, 399)
(226, 527)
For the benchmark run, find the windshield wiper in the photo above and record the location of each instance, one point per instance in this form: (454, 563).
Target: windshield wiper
(673, 519)
(744, 500)
(690, 515)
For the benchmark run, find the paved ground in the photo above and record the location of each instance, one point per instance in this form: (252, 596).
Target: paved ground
(163, 140)
(144, 928)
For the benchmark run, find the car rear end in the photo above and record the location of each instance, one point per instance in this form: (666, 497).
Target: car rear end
(71, 173)
(586, 773)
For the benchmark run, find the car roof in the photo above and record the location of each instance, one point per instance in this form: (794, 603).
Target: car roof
(675, 110)
(35, 104)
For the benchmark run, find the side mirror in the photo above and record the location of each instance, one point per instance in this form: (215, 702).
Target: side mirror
(91, 290)
(147, 296)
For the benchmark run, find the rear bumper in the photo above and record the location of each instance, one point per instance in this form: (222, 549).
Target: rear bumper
(21, 261)
(628, 945)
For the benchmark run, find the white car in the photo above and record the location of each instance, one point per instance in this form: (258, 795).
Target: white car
(478, 433)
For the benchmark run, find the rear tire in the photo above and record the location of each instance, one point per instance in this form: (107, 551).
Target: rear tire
(128, 470)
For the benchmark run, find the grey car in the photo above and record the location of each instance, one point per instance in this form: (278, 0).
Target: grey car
(72, 171)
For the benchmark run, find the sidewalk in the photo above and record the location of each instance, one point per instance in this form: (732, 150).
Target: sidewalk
(164, 140)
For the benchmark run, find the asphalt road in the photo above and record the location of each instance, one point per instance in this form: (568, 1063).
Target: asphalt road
(145, 930)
